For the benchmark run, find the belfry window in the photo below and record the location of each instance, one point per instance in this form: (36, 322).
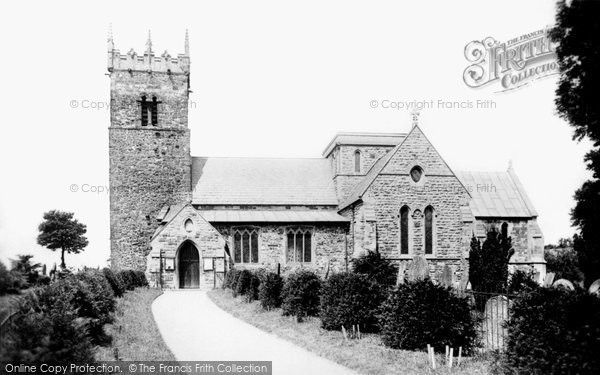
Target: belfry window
(144, 106)
(245, 246)
(149, 109)
(299, 246)
(154, 111)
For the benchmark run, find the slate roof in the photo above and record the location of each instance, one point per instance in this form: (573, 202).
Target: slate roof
(364, 139)
(497, 194)
(266, 216)
(262, 181)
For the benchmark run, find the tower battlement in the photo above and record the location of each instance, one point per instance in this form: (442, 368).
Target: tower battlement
(148, 61)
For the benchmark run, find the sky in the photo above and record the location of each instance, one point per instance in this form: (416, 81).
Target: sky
(268, 79)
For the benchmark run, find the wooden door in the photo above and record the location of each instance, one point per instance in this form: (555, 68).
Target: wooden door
(189, 267)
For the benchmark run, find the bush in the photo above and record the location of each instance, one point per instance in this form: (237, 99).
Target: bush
(553, 331)
(376, 268)
(301, 294)
(230, 278)
(243, 283)
(115, 282)
(521, 282)
(269, 291)
(40, 333)
(349, 299)
(140, 279)
(11, 281)
(252, 292)
(132, 279)
(564, 264)
(420, 313)
(89, 295)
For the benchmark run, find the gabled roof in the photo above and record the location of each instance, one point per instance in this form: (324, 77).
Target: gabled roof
(497, 194)
(267, 216)
(262, 181)
(364, 139)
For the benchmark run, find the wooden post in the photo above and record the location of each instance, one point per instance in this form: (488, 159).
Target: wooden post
(451, 357)
(432, 358)
(459, 355)
(447, 352)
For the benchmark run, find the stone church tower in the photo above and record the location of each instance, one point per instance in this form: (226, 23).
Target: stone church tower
(149, 146)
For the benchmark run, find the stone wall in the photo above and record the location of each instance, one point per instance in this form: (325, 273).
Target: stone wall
(328, 245)
(150, 166)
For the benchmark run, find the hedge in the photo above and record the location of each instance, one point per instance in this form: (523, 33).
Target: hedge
(420, 313)
(374, 267)
(301, 294)
(115, 281)
(553, 331)
(349, 299)
(269, 291)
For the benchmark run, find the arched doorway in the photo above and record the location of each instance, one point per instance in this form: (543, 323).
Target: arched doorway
(188, 266)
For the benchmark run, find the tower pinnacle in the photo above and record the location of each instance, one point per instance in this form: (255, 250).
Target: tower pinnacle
(187, 43)
(149, 44)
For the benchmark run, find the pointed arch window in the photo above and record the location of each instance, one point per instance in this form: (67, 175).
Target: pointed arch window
(404, 229)
(245, 246)
(357, 161)
(429, 217)
(504, 230)
(299, 246)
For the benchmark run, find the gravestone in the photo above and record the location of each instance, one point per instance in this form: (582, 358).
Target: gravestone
(549, 279)
(401, 270)
(495, 315)
(447, 276)
(418, 269)
(563, 283)
(595, 288)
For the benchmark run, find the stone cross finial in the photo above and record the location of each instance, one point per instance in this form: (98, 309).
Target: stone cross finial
(187, 43)
(149, 44)
(415, 117)
(510, 165)
(111, 44)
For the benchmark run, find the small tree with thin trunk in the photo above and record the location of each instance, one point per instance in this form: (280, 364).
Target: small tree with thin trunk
(60, 231)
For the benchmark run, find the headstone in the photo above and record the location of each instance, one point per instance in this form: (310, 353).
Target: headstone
(549, 279)
(595, 288)
(418, 269)
(493, 324)
(563, 283)
(401, 270)
(447, 276)
(464, 280)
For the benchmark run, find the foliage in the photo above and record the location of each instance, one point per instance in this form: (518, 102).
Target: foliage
(230, 277)
(45, 333)
(376, 268)
(564, 264)
(577, 34)
(420, 313)
(115, 282)
(252, 292)
(60, 230)
(301, 294)
(132, 279)
(521, 282)
(243, 283)
(349, 299)
(11, 281)
(30, 271)
(488, 263)
(553, 331)
(269, 290)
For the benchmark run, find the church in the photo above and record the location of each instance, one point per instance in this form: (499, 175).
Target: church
(184, 219)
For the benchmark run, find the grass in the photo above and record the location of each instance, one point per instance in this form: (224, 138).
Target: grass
(366, 356)
(135, 335)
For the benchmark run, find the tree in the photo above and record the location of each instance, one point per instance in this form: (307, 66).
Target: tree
(60, 231)
(488, 263)
(577, 34)
(23, 265)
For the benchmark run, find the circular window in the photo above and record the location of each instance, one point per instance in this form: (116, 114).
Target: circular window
(416, 173)
(189, 225)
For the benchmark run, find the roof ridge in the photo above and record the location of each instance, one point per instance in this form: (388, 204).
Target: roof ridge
(259, 157)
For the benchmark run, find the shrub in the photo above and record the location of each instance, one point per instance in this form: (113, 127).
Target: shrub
(252, 292)
(89, 295)
(376, 268)
(269, 291)
(521, 282)
(140, 279)
(349, 299)
(564, 264)
(301, 294)
(488, 263)
(11, 281)
(553, 331)
(420, 313)
(40, 333)
(130, 279)
(115, 282)
(243, 283)
(230, 278)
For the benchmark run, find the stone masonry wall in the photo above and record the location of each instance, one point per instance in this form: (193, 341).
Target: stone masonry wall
(328, 242)
(150, 166)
